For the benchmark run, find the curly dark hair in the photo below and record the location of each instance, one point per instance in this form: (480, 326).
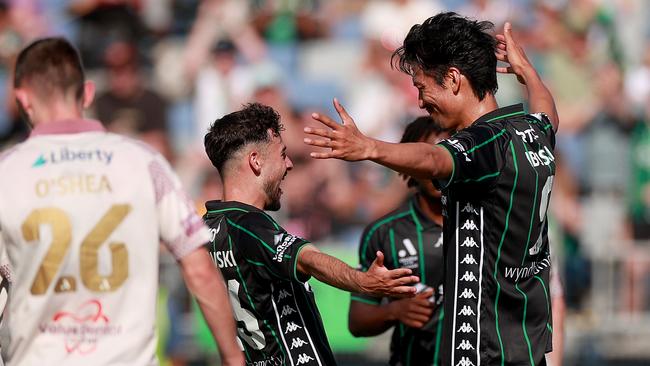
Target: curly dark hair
(232, 132)
(450, 40)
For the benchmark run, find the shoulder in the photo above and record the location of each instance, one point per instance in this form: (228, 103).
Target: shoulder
(388, 221)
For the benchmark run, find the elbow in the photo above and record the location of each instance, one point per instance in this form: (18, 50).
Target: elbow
(355, 328)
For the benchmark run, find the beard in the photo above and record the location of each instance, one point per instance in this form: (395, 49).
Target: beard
(273, 193)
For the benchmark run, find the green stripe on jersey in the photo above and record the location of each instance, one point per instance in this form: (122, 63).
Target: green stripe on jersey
(374, 228)
(496, 264)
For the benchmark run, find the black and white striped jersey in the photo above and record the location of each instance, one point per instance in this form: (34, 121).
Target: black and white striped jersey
(277, 319)
(497, 302)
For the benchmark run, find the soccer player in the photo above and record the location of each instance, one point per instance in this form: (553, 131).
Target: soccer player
(412, 234)
(267, 268)
(496, 173)
(82, 212)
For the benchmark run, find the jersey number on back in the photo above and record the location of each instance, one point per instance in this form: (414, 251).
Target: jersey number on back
(59, 222)
(248, 328)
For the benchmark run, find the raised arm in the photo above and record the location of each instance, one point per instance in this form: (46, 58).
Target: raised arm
(418, 160)
(539, 97)
(378, 280)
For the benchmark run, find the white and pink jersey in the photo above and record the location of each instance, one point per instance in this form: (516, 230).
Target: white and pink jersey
(82, 213)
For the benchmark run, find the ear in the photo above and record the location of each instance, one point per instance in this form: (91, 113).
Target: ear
(89, 93)
(22, 97)
(255, 162)
(454, 78)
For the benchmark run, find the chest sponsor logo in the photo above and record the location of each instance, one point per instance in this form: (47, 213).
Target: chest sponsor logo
(81, 329)
(67, 155)
(282, 243)
(527, 135)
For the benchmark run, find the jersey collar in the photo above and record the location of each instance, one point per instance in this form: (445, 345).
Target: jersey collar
(67, 126)
(501, 113)
(423, 221)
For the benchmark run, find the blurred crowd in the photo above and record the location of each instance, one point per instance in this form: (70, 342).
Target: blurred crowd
(166, 69)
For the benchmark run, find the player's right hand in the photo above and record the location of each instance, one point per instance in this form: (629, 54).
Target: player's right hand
(414, 312)
(344, 140)
(380, 281)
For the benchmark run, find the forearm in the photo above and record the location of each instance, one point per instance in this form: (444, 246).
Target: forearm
(206, 284)
(539, 97)
(328, 269)
(417, 160)
(368, 320)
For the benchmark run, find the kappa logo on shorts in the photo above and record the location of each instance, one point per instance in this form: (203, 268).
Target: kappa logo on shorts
(292, 327)
(469, 225)
(469, 259)
(468, 277)
(469, 242)
(467, 294)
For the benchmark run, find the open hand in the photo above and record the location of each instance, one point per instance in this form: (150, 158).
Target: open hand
(510, 52)
(414, 312)
(379, 281)
(345, 140)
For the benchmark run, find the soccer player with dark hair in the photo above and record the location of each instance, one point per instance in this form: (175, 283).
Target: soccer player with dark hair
(83, 216)
(265, 267)
(496, 173)
(412, 235)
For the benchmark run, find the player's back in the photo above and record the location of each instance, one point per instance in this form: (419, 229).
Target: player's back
(496, 231)
(82, 214)
(277, 319)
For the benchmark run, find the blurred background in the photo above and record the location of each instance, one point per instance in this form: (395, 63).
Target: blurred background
(166, 69)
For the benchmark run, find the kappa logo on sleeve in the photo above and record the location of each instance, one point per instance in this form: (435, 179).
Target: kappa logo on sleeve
(456, 144)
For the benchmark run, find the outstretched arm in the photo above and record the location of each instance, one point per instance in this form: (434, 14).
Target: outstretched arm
(418, 160)
(539, 97)
(378, 280)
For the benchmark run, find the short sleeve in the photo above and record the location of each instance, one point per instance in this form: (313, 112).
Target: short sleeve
(270, 245)
(180, 227)
(477, 154)
(370, 243)
(545, 126)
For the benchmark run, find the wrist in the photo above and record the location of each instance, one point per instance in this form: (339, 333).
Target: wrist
(372, 149)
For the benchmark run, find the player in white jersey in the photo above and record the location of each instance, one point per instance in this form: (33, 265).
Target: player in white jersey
(82, 212)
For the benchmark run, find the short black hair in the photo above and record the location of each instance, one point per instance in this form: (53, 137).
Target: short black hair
(420, 129)
(230, 133)
(450, 40)
(51, 65)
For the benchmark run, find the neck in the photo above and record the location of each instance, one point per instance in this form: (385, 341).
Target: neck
(235, 190)
(430, 207)
(57, 111)
(473, 112)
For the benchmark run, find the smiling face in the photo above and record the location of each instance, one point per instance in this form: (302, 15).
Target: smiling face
(276, 166)
(440, 101)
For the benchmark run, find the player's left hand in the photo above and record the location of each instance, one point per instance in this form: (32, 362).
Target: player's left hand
(345, 140)
(380, 281)
(510, 52)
